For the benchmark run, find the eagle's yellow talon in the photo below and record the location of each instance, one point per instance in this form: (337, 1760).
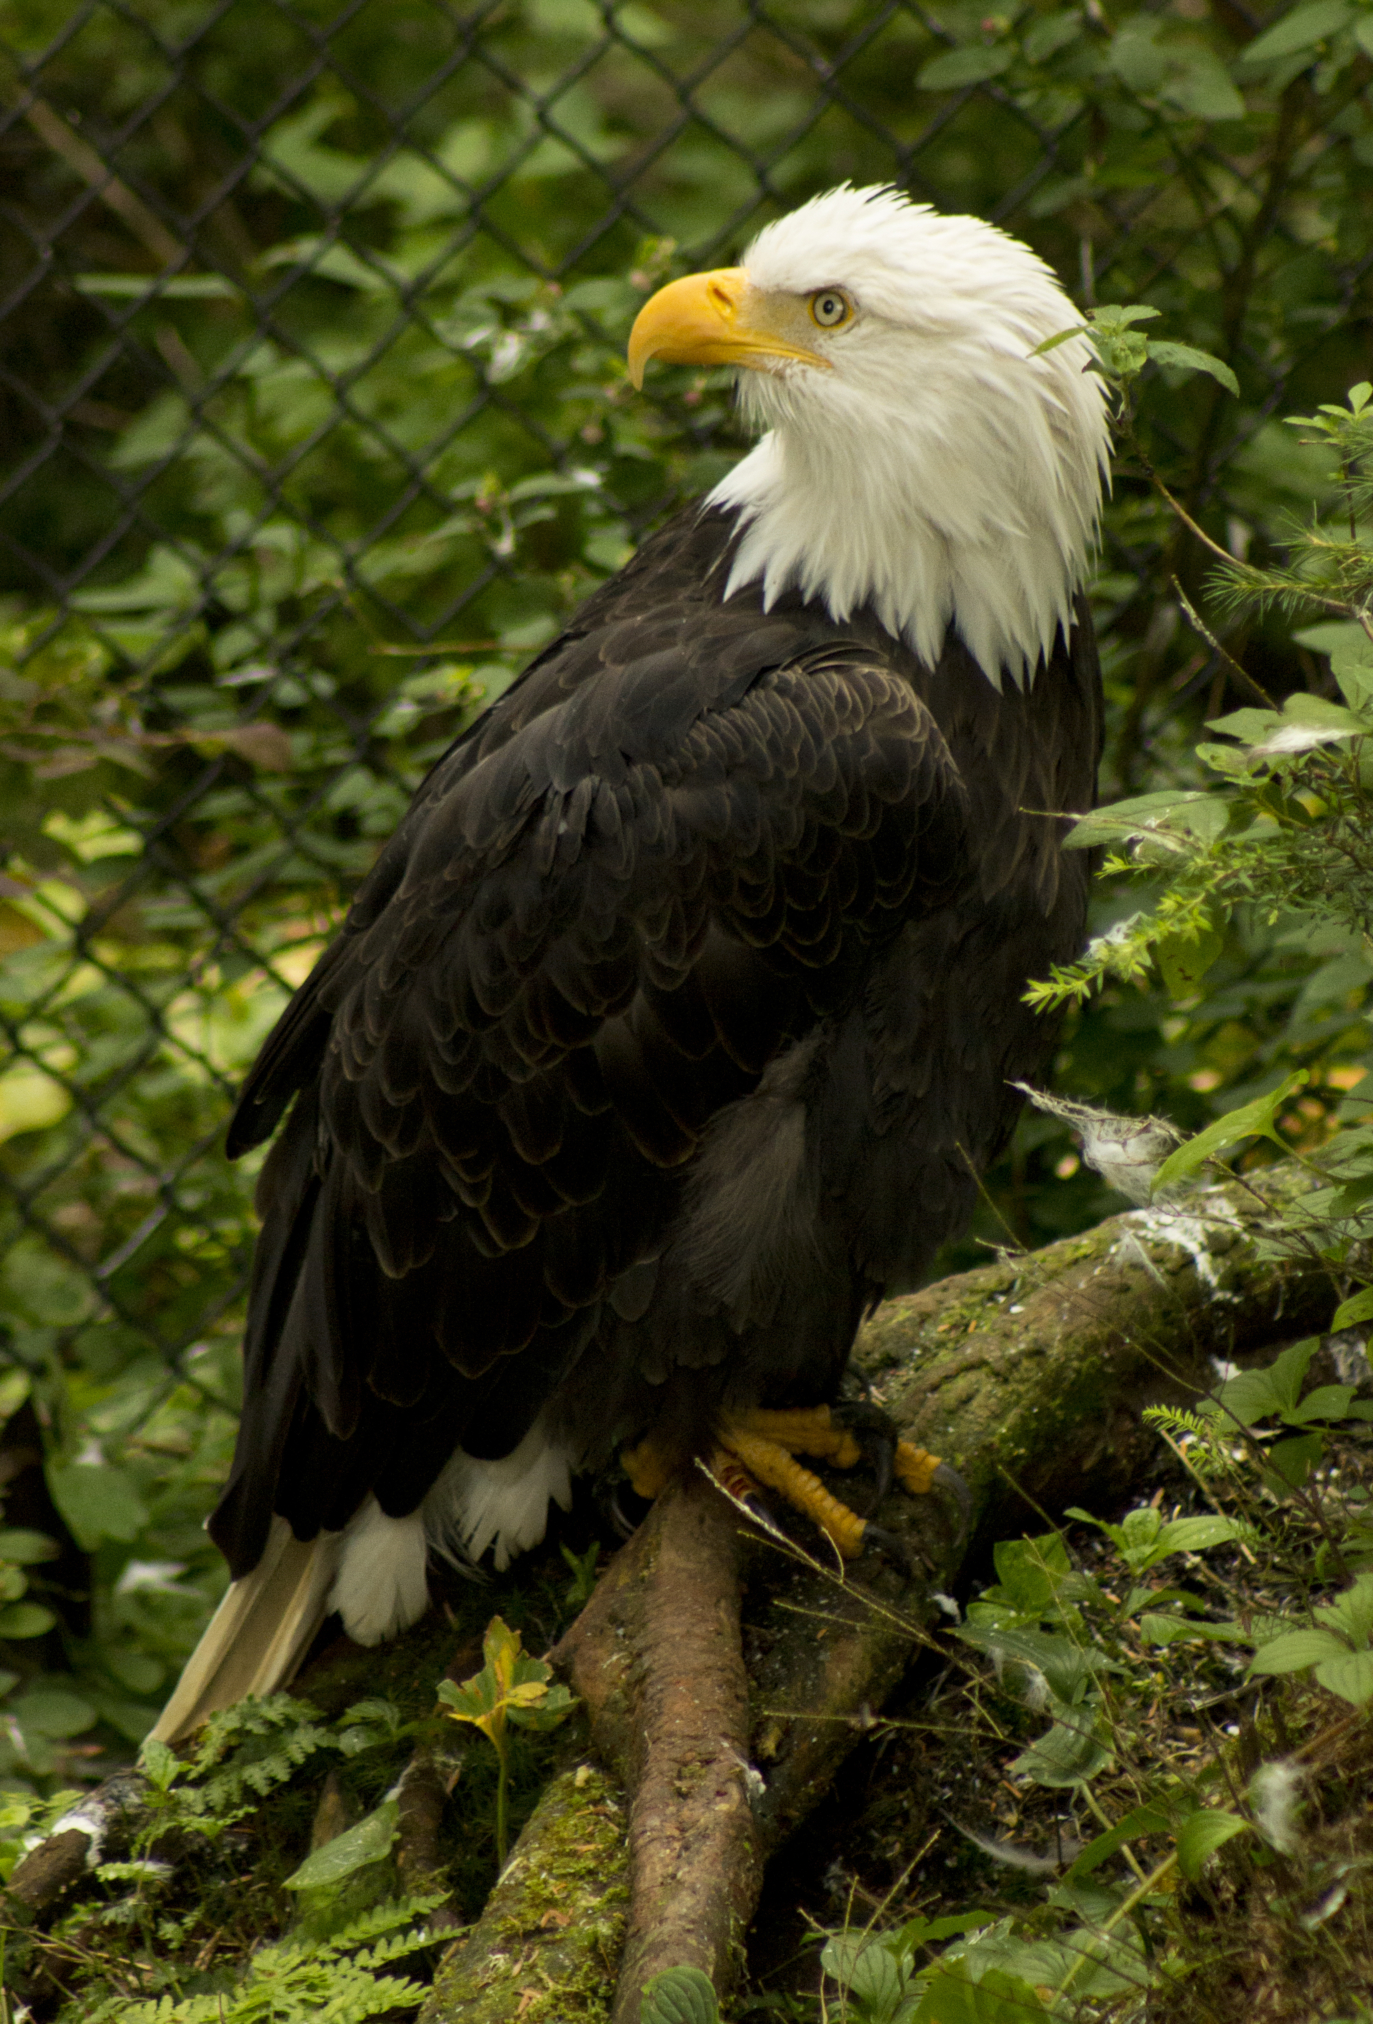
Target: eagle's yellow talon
(777, 1470)
(914, 1469)
(647, 1468)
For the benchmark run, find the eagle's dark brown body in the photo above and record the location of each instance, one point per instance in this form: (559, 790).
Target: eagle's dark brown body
(665, 1036)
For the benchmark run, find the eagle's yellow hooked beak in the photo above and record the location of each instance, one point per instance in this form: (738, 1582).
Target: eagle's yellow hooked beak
(718, 318)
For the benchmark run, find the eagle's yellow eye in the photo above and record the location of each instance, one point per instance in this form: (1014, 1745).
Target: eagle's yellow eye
(829, 308)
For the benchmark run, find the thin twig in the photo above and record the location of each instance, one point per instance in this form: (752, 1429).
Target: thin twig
(1242, 675)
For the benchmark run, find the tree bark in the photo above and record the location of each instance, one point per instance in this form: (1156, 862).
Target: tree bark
(657, 1657)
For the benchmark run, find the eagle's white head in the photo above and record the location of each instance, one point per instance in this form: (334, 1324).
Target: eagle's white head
(916, 455)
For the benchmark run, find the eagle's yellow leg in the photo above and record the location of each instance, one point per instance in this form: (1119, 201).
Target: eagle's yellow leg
(647, 1468)
(765, 1444)
(807, 1430)
(770, 1464)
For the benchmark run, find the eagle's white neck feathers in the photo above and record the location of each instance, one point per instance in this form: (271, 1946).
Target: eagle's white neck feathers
(938, 471)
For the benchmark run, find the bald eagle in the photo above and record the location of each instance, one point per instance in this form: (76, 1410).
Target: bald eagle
(669, 1031)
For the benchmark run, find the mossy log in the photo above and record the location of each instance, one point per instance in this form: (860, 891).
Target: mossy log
(1030, 1376)
(549, 1942)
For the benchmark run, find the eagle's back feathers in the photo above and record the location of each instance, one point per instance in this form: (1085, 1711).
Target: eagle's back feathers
(666, 1034)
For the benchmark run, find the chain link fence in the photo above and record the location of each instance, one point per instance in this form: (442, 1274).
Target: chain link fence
(314, 425)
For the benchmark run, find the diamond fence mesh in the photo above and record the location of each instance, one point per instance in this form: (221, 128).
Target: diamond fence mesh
(313, 425)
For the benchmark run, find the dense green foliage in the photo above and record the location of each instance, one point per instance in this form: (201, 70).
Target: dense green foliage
(318, 484)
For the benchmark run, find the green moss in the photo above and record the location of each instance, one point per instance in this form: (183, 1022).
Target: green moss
(549, 1941)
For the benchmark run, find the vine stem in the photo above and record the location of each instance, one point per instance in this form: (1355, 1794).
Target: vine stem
(1142, 1889)
(502, 1806)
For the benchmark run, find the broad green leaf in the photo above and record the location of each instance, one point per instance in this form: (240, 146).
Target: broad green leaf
(98, 1501)
(868, 1968)
(1030, 1571)
(1350, 1676)
(1287, 1464)
(1200, 84)
(1167, 1630)
(1165, 815)
(1067, 1667)
(1297, 1649)
(972, 64)
(1201, 1834)
(679, 1996)
(1195, 1535)
(1358, 1307)
(1183, 960)
(1187, 355)
(1114, 315)
(1050, 33)
(1326, 1402)
(953, 1996)
(1140, 1821)
(1299, 29)
(1352, 1610)
(52, 1711)
(1287, 1372)
(26, 1548)
(25, 1619)
(1251, 1120)
(1068, 1754)
(366, 1843)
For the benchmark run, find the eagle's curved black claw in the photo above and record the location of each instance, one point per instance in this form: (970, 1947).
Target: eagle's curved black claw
(951, 1483)
(876, 1436)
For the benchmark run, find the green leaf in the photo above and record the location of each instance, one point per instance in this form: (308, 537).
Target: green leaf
(1050, 33)
(1350, 1676)
(1187, 355)
(1297, 1649)
(679, 1996)
(1171, 816)
(1201, 1834)
(1358, 1307)
(1251, 1120)
(52, 1711)
(1298, 30)
(1287, 1372)
(1115, 316)
(869, 1968)
(1167, 1630)
(1141, 1820)
(1183, 960)
(972, 64)
(366, 1843)
(1326, 1402)
(1287, 1464)
(1070, 1753)
(159, 1764)
(180, 287)
(25, 1548)
(1195, 1535)
(953, 1997)
(25, 1619)
(97, 1501)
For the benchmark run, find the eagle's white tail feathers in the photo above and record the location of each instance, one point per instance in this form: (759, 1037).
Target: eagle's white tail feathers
(475, 1503)
(380, 1587)
(372, 1573)
(260, 1632)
